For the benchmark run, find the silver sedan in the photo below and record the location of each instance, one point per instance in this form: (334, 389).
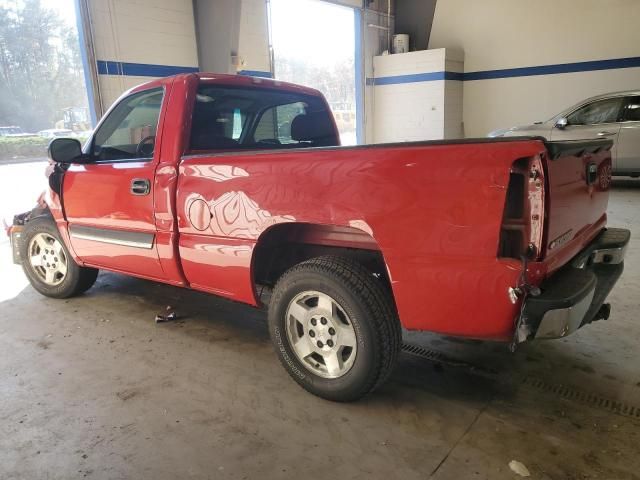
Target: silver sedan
(614, 115)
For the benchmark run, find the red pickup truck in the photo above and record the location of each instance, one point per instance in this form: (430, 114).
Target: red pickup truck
(237, 186)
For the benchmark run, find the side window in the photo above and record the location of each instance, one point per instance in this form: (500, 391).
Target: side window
(275, 123)
(632, 110)
(600, 111)
(129, 132)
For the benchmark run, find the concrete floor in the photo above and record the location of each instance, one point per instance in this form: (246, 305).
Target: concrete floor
(92, 387)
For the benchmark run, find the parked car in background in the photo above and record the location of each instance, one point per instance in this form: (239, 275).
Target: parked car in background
(56, 133)
(10, 130)
(613, 115)
(14, 131)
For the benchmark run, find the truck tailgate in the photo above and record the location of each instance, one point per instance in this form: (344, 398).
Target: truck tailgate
(578, 180)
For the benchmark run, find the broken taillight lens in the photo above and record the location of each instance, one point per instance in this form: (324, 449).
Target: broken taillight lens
(523, 219)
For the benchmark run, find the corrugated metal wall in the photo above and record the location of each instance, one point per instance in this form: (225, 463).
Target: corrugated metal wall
(134, 42)
(131, 42)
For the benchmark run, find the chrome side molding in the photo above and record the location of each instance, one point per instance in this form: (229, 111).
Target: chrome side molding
(114, 237)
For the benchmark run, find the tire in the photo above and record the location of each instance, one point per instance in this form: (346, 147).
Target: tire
(357, 303)
(46, 273)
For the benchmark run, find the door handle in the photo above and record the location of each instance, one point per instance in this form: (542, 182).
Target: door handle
(606, 134)
(140, 186)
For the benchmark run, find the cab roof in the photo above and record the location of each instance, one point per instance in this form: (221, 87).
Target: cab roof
(246, 80)
(242, 81)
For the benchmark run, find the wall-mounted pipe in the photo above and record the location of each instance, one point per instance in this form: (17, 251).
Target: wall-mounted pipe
(389, 29)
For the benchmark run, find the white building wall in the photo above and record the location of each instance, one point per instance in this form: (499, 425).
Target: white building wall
(233, 36)
(141, 34)
(412, 100)
(504, 34)
(218, 33)
(253, 50)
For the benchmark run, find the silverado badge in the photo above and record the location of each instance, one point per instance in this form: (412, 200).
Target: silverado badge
(560, 240)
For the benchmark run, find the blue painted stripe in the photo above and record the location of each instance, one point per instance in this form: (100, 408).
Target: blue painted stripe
(255, 73)
(415, 77)
(612, 64)
(106, 67)
(561, 68)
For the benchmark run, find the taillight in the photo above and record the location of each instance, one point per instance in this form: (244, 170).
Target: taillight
(523, 218)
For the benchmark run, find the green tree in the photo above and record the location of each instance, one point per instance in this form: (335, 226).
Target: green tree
(40, 66)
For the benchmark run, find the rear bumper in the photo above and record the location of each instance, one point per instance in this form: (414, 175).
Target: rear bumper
(575, 295)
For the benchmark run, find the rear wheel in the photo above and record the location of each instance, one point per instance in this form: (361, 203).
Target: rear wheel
(334, 328)
(48, 264)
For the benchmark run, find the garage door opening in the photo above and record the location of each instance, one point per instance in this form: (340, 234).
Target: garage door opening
(314, 44)
(41, 74)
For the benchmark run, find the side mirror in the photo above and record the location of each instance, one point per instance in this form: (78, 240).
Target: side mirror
(562, 123)
(66, 150)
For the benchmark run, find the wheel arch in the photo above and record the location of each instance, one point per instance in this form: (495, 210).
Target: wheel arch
(286, 244)
(39, 211)
(43, 211)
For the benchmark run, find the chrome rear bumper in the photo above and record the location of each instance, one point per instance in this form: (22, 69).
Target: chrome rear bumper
(560, 322)
(575, 295)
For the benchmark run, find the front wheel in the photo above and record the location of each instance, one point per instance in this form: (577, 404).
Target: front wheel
(47, 263)
(334, 328)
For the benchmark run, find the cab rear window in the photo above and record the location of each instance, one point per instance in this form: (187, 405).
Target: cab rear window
(235, 118)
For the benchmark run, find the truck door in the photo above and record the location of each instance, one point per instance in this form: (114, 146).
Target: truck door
(108, 201)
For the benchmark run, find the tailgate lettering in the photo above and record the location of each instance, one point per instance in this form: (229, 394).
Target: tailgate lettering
(564, 238)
